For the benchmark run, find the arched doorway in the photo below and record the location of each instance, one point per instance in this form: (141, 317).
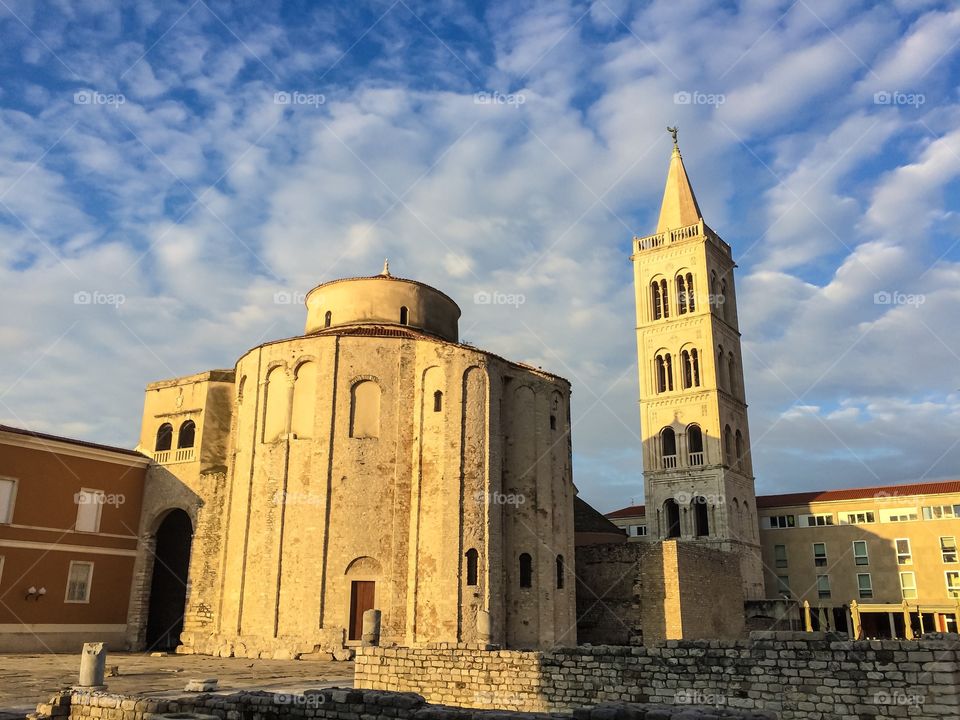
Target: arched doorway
(671, 512)
(168, 585)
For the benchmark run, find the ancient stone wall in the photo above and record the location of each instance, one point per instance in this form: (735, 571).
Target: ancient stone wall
(794, 675)
(332, 703)
(648, 592)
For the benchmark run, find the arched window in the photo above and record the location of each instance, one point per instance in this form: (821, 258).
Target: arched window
(164, 437)
(655, 300)
(404, 314)
(526, 570)
(720, 365)
(437, 401)
(472, 557)
(739, 448)
(553, 422)
(668, 447)
(734, 518)
(690, 362)
(728, 444)
(664, 368)
(304, 400)
(664, 298)
(691, 303)
(681, 295)
(732, 373)
(671, 514)
(365, 410)
(701, 521)
(276, 404)
(560, 578)
(694, 445)
(722, 299)
(186, 434)
(327, 319)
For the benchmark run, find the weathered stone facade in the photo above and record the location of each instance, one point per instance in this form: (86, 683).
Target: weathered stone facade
(794, 675)
(633, 593)
(373, 462)
(337, 704)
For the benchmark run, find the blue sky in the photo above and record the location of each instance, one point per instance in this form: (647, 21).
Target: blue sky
(188, 167)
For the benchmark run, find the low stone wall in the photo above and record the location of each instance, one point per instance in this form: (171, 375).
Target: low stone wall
(332, 704)
(795, 675)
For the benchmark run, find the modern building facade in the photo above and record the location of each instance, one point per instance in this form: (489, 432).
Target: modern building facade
(698, 476)
(69, 513)
(372, 462)
(891, 551)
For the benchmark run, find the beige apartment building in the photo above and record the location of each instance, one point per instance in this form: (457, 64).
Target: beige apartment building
(891, 550)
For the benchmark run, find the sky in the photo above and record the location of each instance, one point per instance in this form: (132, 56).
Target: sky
(175, 176)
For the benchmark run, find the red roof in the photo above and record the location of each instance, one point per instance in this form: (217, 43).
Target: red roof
(884, 491)
(805, 498)
(72, 441)
(632, 511)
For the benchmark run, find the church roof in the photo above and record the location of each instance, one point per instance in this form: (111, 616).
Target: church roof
(679, 207)
(586, 518)
(630, 511)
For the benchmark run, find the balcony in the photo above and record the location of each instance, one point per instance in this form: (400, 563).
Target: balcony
(669, 462)
(696, 458)
(169, 457)
(679, 235)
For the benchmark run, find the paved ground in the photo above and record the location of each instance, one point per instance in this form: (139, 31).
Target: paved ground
(26, 680)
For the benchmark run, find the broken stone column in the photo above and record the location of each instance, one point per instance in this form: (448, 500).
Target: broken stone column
(483, 626)
(371, 628)
(93, 662)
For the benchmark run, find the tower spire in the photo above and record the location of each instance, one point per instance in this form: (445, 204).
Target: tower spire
(679, 207)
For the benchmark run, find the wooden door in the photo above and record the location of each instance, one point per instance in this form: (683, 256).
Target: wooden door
(361, 599)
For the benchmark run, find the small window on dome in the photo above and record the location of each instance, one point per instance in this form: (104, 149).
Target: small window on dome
(403, 315)
(327, 318)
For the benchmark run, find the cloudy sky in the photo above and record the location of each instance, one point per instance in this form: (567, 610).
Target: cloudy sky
(173, 175)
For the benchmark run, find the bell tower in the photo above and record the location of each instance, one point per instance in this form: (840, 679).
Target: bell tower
(698, 475)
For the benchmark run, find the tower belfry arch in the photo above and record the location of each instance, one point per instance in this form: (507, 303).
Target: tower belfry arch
(693, 411)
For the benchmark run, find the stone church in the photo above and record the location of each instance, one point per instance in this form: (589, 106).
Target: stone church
(372, 462)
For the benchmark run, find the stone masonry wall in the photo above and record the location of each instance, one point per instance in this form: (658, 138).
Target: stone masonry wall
(794, 675)
(329, 704)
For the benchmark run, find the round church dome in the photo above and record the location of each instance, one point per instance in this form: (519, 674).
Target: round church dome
(382, 300)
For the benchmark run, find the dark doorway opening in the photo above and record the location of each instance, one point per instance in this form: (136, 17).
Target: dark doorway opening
(672, 512)
(168, 586)
(362, 593)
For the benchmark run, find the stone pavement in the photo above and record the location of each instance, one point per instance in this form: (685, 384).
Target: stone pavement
(26, 680)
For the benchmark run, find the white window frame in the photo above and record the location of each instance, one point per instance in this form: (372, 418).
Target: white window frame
(947, 512)
(821, 591)
(868, 589)
(913, 588)
(13, 500)
(89, 588)
(816, 558)
(786, 519)
(786, 556)
(904, 514)
(953, 591)
(868, 517)
(814, 520)
(98, 496)
(641, 531)
(909, 553)
(865, 556)
(944, 551)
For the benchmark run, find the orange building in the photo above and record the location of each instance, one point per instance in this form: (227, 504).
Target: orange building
(69, 519)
